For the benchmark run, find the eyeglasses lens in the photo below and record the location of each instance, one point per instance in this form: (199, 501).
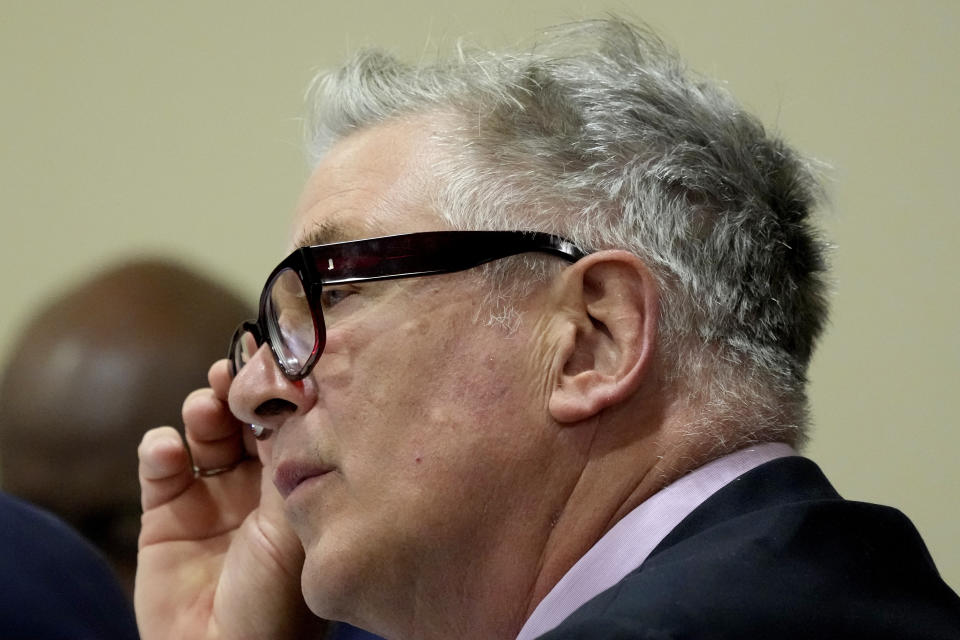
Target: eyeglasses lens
(293, 333)
(244, 347)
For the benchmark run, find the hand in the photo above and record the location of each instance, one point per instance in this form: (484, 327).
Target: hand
(217, 558)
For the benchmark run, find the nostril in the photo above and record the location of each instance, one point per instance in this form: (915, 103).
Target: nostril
(275, 407)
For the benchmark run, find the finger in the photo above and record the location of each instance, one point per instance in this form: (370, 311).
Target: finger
(220, 379)
(214, 436)
(164, 469)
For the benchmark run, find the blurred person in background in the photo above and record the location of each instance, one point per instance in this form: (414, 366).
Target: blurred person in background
(122, 347)
(55, 585)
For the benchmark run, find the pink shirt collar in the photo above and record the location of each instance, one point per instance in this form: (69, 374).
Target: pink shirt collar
(630, 541)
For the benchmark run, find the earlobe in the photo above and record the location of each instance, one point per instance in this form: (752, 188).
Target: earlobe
(613, 304)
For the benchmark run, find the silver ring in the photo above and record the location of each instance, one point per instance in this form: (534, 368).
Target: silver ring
(260, 432)
(209, 473)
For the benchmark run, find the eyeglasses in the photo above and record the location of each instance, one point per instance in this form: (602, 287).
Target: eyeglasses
(291, 305)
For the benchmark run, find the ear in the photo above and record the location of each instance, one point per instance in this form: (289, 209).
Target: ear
(606, 350)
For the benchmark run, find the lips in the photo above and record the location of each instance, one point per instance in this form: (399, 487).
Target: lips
(290, 474)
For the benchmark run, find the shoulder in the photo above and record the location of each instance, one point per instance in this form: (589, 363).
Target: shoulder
(777, 553)
(56, 585)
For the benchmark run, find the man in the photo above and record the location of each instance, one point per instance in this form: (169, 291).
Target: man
(581, 426)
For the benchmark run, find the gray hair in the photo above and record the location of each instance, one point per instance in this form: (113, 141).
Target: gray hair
(600, 134)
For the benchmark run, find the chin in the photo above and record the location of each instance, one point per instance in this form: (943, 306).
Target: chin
(326, 585)
(332, 577)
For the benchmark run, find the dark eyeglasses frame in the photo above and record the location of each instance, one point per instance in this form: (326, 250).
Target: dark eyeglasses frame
(391, 257)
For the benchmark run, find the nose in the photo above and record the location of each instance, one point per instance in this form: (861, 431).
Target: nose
(260, 394)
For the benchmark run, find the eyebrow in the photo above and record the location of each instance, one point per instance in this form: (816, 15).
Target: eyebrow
(322, 233)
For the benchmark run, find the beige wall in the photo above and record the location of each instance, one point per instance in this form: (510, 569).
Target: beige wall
(132, 127)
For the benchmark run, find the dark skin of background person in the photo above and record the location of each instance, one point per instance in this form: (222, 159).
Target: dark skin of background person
(90, 369)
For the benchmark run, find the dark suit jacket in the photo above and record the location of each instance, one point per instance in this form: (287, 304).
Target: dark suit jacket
(53, 584)
(778, 554)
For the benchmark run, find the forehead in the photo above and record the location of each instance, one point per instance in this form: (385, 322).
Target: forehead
(375, 182)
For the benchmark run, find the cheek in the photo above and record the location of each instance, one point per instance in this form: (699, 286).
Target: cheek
(400, 395)
(425, 421)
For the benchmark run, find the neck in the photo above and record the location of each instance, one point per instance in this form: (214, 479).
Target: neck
(607, 469)
(630, 458)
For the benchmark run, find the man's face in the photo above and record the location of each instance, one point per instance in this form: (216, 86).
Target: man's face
(431, 424)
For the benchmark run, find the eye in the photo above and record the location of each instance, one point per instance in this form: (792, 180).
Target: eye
(331, 297)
